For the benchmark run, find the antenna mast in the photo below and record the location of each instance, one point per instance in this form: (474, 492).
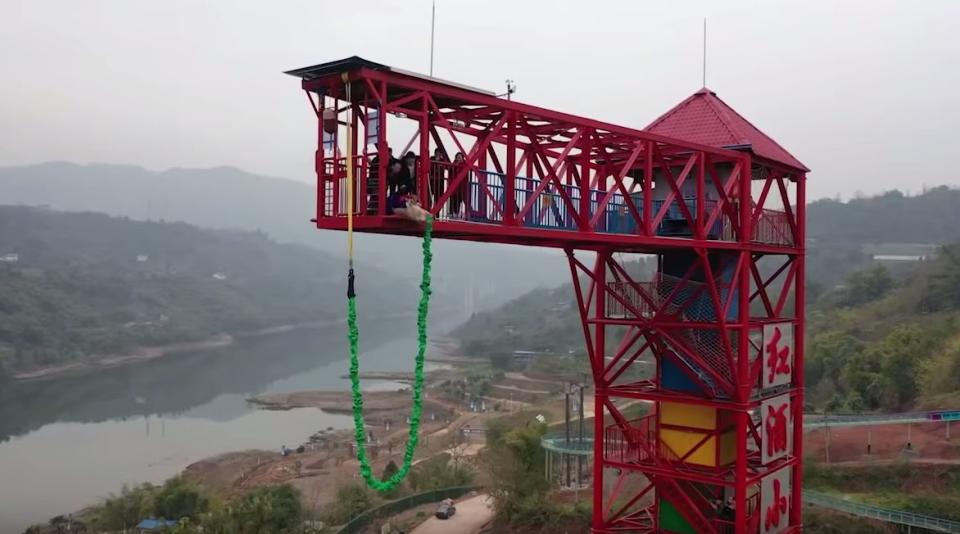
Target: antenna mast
(704, 51)
(433, 24)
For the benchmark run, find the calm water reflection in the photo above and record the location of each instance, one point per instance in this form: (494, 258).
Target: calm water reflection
(66, 443)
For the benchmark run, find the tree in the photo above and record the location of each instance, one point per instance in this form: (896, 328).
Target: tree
(177, 499)
(515, 461)
(901, 354)
(351, 501)
(867, 286)
(941, 374)
(126, 509)
(390, 470)
(500, 360)
(274, 509)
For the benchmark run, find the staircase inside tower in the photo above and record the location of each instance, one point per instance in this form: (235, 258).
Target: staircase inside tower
(681, 506)
(694, 360)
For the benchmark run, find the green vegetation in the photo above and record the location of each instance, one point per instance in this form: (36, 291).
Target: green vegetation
(877, 339)
(514, 460)
(178, 499)
(441, 471)
(227, 197)
(842, 234)
(87, 284)
(273, 509)
(821, 521)
(923, 489)
(874, 345)
(543, 320)
(351, 501)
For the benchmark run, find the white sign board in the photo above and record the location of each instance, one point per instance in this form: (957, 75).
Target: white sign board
(776, 429)
(775, 491)
(777, 355)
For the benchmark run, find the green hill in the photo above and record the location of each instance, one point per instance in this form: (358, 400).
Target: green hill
(85, 284)
(842, 236)
(877, 340)
(229, 198)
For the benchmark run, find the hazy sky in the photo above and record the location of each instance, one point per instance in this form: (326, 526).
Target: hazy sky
(864, 92)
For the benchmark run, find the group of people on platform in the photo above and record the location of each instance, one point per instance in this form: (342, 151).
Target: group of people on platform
(402, 197)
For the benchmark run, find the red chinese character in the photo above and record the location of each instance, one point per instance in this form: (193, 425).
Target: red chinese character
(778, 360)
(776, 510)
(776, 429)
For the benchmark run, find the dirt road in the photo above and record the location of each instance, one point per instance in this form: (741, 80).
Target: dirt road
(471, 515)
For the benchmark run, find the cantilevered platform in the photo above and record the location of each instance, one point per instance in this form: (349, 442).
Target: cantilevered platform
(534, 176)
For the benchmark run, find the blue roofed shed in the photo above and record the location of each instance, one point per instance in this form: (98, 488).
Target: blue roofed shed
(155, 525)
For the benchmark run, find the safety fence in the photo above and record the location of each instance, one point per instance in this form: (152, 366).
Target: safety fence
(888, 515)
(481, 196)
(395, 507)
(812, 421)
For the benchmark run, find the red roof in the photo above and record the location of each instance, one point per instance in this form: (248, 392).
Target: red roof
(703, 118)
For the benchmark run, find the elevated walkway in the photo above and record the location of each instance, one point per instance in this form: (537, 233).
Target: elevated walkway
(814, 421)
(888, 515)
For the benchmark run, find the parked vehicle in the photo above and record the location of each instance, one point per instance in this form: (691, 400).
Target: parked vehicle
(446, 509)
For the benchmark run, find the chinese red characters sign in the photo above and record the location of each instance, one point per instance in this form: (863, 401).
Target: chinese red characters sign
(776, 430)
(775, 490)
(777, 354)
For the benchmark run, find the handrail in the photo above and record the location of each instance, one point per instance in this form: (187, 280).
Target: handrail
(822, 420)
(482, 196)
(889, 515)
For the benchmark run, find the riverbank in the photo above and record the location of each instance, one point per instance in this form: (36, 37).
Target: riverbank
(145, 354)
(139, 355)
(382, 403)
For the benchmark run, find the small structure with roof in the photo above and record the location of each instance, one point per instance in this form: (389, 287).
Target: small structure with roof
(155, 525)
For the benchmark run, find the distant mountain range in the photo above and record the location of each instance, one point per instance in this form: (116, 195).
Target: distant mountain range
(226, 197)
(80, 284)
(484, 274)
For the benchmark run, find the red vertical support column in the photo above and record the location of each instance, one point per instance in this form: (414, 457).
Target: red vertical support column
(744, 388)
(359, 194)
(800, 301)
(383, 152)
(318, 162)
(600, 390)
(584, 184)
(335, 174)
(510, 180)
(648, 215)
(701, 231)
(423, 169)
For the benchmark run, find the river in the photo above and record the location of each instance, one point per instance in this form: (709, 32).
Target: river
(66, 443)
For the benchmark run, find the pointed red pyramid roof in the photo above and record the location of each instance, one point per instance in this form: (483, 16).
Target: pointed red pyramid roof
(703, 118)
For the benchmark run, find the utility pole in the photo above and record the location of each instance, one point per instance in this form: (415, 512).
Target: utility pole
(826, 426)
(580, 446)
(566, 417)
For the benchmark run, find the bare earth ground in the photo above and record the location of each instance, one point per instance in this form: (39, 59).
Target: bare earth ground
(330, 462)
(849, 444)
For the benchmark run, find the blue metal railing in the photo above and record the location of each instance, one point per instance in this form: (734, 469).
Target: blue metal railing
(819, 420)
(486, 203)
(879, 513)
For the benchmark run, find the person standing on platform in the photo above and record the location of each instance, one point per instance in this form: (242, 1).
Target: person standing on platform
(438, 175)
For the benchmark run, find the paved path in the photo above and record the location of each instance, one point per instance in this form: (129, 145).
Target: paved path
(472, 514)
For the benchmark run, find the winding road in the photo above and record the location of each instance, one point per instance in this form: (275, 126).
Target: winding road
(472, 514)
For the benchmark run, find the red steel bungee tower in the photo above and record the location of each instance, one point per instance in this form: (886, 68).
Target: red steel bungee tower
(711, 337)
